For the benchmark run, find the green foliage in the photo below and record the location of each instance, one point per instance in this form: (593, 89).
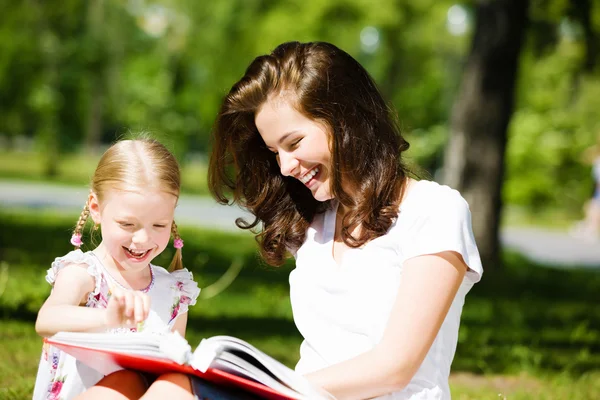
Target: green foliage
(78, 75)
(556, 115)
(165, 67)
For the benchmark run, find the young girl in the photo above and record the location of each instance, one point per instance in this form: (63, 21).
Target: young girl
(307, 144)
(115, 287)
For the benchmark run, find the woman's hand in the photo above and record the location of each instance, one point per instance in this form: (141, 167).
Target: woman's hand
(127, 309)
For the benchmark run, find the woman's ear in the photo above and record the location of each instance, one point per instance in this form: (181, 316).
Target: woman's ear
(94, 207)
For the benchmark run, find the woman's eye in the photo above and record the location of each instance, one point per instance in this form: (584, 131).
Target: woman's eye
(126, 224)
(297, 142)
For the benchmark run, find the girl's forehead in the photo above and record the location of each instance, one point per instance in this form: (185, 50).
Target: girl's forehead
(139, 202)
(138, 192)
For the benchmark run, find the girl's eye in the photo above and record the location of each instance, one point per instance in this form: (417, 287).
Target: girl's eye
(159, 226)
(297, 142)
(126, 224)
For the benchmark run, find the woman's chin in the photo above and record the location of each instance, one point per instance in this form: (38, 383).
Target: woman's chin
(322, 195)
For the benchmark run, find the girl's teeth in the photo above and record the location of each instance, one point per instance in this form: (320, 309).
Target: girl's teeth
(138, 254)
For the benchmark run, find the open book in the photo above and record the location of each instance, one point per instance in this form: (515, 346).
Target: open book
(223, 360)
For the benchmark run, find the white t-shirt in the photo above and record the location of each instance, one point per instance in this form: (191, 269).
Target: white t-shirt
(342, 311)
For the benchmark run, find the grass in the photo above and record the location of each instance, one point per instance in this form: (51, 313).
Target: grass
(465, 386)
(77, 170)
(527, 331)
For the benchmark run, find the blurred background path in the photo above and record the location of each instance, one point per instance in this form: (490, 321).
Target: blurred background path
(547, 246)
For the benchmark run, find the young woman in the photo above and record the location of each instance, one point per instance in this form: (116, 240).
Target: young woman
(307, 144)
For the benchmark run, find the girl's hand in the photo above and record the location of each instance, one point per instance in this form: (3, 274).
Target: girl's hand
(127, 309)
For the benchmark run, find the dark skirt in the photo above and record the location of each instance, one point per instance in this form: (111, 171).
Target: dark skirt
(204, 390)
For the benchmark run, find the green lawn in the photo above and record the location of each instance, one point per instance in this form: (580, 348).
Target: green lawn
(527, 331)
(77, 170)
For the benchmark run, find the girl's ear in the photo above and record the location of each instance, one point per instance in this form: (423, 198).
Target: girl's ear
(94, 207)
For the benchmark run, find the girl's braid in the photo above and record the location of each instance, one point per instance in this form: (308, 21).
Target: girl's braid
(177, 262)
(77, 232)
(174, 231)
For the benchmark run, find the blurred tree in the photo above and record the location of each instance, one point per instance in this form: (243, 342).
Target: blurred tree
(96, 70)
(74, 74)
(47, 101)
(581, 10)
(556, 116)
(475, 155)
(19, 64)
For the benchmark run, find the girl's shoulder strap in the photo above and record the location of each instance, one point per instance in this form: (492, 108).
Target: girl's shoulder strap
(76, 257)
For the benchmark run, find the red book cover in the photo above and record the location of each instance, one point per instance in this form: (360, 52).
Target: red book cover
(106, 361)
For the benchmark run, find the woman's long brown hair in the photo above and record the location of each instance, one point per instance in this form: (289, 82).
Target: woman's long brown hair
(367, 174)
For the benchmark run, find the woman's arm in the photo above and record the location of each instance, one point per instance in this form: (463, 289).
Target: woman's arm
(428, 286)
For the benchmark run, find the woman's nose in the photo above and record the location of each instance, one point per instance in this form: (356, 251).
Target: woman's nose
(288, 163)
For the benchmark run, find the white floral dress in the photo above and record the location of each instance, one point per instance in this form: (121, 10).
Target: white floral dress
(62, 377)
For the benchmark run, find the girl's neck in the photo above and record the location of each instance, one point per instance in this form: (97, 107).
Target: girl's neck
(135, 280)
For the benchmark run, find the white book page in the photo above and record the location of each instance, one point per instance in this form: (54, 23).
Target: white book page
(143, 344)
(289, 377)
(238, 366)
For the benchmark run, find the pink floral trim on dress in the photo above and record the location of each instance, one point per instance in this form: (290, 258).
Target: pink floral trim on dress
(180, 299)
(57, 382)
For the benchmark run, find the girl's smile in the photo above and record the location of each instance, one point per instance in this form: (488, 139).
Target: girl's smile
(136, 227)
(136, 255)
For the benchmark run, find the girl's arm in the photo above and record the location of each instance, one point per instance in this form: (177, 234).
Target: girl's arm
(180, 324)
(62, 311)
(428, 286)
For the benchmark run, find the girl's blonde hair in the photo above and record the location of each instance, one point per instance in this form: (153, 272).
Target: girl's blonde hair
(137, 164)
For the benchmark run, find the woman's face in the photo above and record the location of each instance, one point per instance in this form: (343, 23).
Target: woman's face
(301, 145)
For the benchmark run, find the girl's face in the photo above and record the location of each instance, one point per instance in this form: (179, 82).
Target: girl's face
(301, 145)
(136, 227)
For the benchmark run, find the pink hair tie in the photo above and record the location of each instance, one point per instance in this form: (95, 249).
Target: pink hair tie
(76, 240)
(178, 243)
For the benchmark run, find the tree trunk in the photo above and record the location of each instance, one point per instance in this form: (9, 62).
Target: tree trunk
(474, 158)
(582, 10)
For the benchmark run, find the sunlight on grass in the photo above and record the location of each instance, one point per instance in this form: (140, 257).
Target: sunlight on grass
(554, 219)
(466, 386)
(77, 169)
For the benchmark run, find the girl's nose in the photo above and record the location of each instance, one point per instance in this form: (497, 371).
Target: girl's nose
(140, 236)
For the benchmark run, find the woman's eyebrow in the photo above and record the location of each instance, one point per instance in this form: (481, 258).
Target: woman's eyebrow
(286, 135)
